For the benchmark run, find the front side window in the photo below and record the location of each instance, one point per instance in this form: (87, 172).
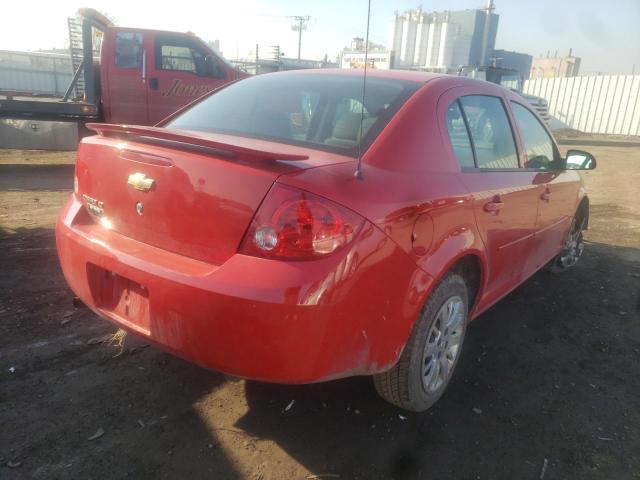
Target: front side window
(178, 54)
(128, 50)
(178, 58)
(317, 111)
(538, 145)
(490, 131)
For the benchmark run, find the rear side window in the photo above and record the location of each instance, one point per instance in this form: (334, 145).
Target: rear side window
(493, 141)
(459, 136)
(538, 145)
(128, 50)
(318, 111)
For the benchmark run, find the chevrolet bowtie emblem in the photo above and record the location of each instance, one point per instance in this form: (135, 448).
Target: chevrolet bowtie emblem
(139, 181)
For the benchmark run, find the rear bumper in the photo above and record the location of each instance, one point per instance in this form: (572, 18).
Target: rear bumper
(285, 322)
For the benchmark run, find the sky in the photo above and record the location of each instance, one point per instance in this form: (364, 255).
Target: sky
(604, 33)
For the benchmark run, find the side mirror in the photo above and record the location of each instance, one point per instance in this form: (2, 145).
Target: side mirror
(579, 160)
(206, 66)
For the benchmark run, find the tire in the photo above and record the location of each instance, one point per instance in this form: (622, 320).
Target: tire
(403, 385)
(573, 245)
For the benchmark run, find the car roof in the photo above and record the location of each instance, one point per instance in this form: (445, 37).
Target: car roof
(444, 81)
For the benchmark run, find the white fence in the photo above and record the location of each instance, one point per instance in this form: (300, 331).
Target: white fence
(592, 104)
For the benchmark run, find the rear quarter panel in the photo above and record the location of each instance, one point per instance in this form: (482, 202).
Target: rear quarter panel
(411, 189)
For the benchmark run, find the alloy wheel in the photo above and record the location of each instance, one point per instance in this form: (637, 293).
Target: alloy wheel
(443, 344)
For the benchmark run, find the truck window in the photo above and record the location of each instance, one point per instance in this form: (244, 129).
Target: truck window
(511, 81)
(128, 50)
(178, 54)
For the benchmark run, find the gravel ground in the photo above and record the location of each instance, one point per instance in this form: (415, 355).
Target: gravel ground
(548, 385)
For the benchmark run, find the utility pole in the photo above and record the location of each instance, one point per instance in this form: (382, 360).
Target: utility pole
(299, 26)
(257, 60)
(485, 34)
(275, 50)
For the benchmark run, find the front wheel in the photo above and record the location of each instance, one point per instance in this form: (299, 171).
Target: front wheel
(431, 354)
(573, 246)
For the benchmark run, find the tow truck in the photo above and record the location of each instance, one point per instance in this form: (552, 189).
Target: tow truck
(141, 76)
(508, 78)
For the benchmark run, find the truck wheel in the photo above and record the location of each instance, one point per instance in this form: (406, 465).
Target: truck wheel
(431, 354)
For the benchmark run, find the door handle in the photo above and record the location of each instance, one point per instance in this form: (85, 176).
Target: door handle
(153, 83)
(494, 206)
(546, 195)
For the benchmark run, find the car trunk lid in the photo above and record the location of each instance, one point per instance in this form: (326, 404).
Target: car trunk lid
(192, 194)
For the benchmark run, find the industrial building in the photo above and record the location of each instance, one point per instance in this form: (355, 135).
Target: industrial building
(443, 41)
(377, 56)
(554, 67)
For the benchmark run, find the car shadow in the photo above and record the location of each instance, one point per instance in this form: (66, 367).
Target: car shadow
(543, 379)
(75, 404)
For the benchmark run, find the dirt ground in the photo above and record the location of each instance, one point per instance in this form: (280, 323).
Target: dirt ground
(548, 385)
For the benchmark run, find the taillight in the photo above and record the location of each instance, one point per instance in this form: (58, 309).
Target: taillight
(294, 224)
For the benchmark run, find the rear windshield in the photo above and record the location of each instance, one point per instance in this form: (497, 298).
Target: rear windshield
(322, 112)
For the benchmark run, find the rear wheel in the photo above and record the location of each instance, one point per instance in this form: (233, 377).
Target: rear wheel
(431, 354)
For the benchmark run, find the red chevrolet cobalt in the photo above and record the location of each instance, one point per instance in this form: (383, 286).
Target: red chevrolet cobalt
(287, 228)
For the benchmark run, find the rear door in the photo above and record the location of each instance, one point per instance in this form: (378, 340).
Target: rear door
(126, 88)
(181, 69)
(504, 195)
(558, 193)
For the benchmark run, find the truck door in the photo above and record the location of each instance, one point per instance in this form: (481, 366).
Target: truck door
(126, 96)
(182, 70)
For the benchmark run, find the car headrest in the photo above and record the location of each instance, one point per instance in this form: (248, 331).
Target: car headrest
(347, 127)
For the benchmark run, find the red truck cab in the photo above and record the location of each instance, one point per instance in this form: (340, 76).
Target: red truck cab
(142, 77)
(146, 75)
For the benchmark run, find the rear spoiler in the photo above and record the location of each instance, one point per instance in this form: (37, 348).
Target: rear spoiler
(216, 144)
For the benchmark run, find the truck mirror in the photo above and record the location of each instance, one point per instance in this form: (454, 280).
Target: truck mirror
(220, 72)
(210, 68)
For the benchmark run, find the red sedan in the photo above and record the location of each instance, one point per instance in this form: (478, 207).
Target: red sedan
(245, 235)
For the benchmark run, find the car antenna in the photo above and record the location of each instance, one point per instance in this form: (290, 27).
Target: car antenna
(358, 173)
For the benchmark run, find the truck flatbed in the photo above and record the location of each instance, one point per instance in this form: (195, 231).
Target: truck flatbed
(46, 108)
